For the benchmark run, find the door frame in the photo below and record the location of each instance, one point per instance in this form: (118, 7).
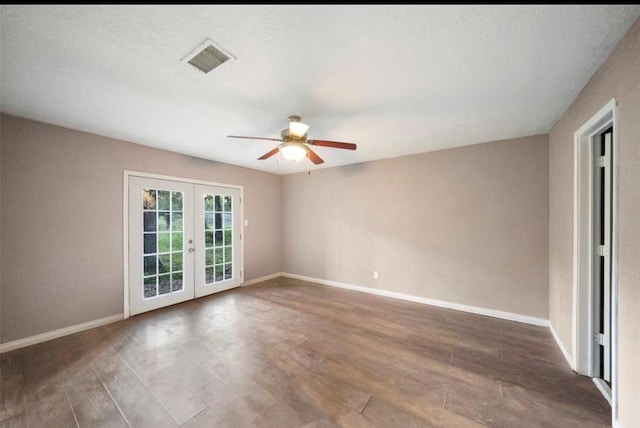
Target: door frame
(125, 221)
(583, 247)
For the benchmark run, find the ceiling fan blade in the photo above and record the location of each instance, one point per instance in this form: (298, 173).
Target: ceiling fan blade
(268, 154)
(254, 138)
(313, 157)
(334, 144)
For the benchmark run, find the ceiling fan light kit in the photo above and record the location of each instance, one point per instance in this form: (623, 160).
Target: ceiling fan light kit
(295, 145)
(296, 128)
(292, 151)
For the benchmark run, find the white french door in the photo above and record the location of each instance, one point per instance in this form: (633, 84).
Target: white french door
(217, 220)
(184, 241)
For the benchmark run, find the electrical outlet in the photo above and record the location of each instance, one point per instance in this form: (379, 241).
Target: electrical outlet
(375, 274)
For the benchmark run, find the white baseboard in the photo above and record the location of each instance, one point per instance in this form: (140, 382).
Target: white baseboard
(433, 302)
(43, 337)
(262, 278)
(566, 353)
(616, 424)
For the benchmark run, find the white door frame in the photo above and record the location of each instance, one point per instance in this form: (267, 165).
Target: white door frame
(583, 247)
(125, 221)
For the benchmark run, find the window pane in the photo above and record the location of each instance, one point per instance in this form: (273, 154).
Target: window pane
(228, 254)
(219, 273)
(208, 221)
(176, 262)
(209, 275)
(149, 221)
(226, 222)
(208, 239)
(227, 203)
(219, 255)
(228, 271)
(176, 201)
(176, 241)
(227, 237)
(164, 265)
(164, 202)
(164, 219)
(218, 238)
(150, 287)
(149, 265)
(148, 199)
(218, 203)
(208, 203)
(163, 243)
(176, 224)
(208, 257)
(176, 281)
(218, 221)
(164, 284)
(149, 243)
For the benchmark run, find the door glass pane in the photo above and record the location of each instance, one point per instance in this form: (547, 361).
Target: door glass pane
(164, 219)
(163, 200)
(164, 284)
(149, 243)
(148, 199)
(176, 241)
(218, 235)
(163, 251)
(164, 242)
(150, 287)
(149, 221)
(176, 281)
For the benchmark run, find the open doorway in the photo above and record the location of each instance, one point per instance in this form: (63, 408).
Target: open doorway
(595, 252)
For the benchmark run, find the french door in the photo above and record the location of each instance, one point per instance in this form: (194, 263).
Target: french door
(184, 241)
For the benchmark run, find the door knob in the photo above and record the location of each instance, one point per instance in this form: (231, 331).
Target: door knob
(191, 249)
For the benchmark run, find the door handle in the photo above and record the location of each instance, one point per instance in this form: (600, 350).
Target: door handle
(191, 249)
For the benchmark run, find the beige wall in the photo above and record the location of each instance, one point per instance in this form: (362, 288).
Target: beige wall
(62, 221)
(467, 225)
(618, 77)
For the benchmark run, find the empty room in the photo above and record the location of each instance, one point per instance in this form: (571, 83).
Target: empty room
(320, 216)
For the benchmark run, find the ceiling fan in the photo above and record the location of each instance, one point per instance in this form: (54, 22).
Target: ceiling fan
(294, 144)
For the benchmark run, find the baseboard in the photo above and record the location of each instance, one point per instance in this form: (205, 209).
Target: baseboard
(262, 278)
(43, 337)
(616, 424)
(433, 302)
(566, 353)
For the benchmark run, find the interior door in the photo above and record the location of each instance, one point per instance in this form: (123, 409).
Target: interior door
(603, 310)
(160, 237)
(218, 263)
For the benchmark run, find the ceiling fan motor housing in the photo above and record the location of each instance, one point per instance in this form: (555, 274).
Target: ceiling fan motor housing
(287, 138)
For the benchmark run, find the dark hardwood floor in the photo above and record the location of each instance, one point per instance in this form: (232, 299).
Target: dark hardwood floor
(285, 353)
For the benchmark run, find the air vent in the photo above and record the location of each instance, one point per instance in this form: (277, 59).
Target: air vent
(207, 56)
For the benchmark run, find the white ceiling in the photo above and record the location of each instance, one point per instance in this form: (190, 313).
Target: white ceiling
(395, 80)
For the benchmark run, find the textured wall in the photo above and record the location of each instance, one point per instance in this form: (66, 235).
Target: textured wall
(619, 77)
(62, 221)
(466, 225)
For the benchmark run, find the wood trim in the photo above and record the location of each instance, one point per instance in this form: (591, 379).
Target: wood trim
(433, 302)
(54, 334)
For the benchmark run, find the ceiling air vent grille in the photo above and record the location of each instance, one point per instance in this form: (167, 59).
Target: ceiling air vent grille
(207, 56)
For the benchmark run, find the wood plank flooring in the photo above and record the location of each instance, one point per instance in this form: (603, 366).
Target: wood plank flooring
(286, 353)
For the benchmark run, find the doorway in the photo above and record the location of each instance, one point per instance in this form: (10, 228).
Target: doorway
(184, 241)
(595, 252)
